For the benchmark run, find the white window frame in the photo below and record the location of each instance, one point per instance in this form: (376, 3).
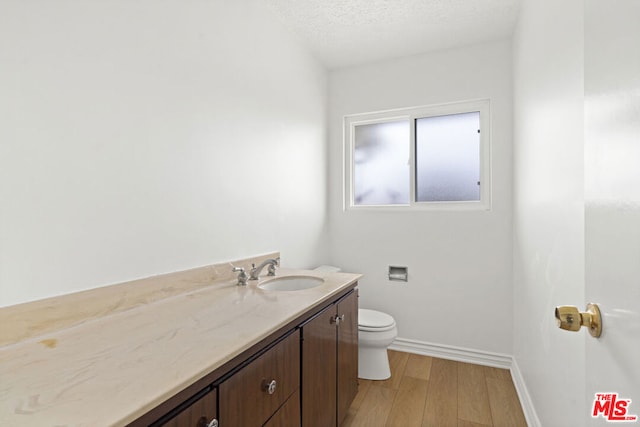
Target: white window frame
(411, 114)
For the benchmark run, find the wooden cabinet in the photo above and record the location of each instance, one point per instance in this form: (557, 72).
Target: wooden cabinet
(303, 374)
(250, 396)
(199, 411)
(330, 363)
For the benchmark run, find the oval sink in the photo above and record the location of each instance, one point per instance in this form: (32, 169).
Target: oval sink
(291, 283)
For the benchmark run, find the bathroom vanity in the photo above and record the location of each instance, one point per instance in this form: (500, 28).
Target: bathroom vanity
(192, 349)
(305, 374)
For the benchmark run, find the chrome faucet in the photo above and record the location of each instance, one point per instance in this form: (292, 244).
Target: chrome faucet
(255, 271)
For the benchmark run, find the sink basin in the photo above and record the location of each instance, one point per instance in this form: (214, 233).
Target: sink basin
(291, 283)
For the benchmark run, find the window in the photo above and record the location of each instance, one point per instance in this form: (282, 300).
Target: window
(434, 157)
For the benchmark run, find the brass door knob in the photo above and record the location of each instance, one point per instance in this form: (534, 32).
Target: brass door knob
(568, 317)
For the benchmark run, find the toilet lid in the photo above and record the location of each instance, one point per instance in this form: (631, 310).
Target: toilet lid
(374, 319)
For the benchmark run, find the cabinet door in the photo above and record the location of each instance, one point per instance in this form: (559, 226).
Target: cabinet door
(347, 353)
(250, 396)
(319, 370)
(200, 413)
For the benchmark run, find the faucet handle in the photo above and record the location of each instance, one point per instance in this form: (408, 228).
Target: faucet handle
(271, 270)
(242, 277)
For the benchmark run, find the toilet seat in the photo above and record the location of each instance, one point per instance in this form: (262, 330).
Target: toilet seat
(374, 321)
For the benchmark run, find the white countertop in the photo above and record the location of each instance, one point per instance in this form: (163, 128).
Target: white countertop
(110, 370)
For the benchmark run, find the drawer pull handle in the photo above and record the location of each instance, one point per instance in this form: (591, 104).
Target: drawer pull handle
(269, 387)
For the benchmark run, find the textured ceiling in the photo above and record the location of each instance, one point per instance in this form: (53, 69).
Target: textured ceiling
(348, 32)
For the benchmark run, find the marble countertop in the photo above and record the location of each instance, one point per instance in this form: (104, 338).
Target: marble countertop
(111, 369)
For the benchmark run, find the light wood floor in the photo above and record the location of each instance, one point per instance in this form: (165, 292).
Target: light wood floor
(431, 392)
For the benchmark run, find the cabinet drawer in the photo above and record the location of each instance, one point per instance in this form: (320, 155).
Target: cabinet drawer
(199, 411)
(251, 395)
(288, 415)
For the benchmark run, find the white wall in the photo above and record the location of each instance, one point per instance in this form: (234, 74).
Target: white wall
(459, 290)
(549, 205)
(144, 137)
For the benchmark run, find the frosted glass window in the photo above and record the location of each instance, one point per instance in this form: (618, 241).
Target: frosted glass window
(381, 173)
(448, 158)
(426, 158)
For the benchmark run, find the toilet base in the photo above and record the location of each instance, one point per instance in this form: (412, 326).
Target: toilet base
(373, 360)
(373, 364)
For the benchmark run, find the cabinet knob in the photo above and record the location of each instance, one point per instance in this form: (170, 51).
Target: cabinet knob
(337, 319)
(202, 422)
(269, 387)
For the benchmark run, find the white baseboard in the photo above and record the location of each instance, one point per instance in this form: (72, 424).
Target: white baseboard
(459, 354)
(523, 394)
(477, 357)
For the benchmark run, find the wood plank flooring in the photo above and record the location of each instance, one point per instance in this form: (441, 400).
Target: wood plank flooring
(431, 392)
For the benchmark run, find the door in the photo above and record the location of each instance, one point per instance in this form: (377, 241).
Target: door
(347, 354)
(612, 205)
(319, 370)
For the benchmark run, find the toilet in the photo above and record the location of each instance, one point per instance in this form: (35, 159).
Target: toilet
(376, 331)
